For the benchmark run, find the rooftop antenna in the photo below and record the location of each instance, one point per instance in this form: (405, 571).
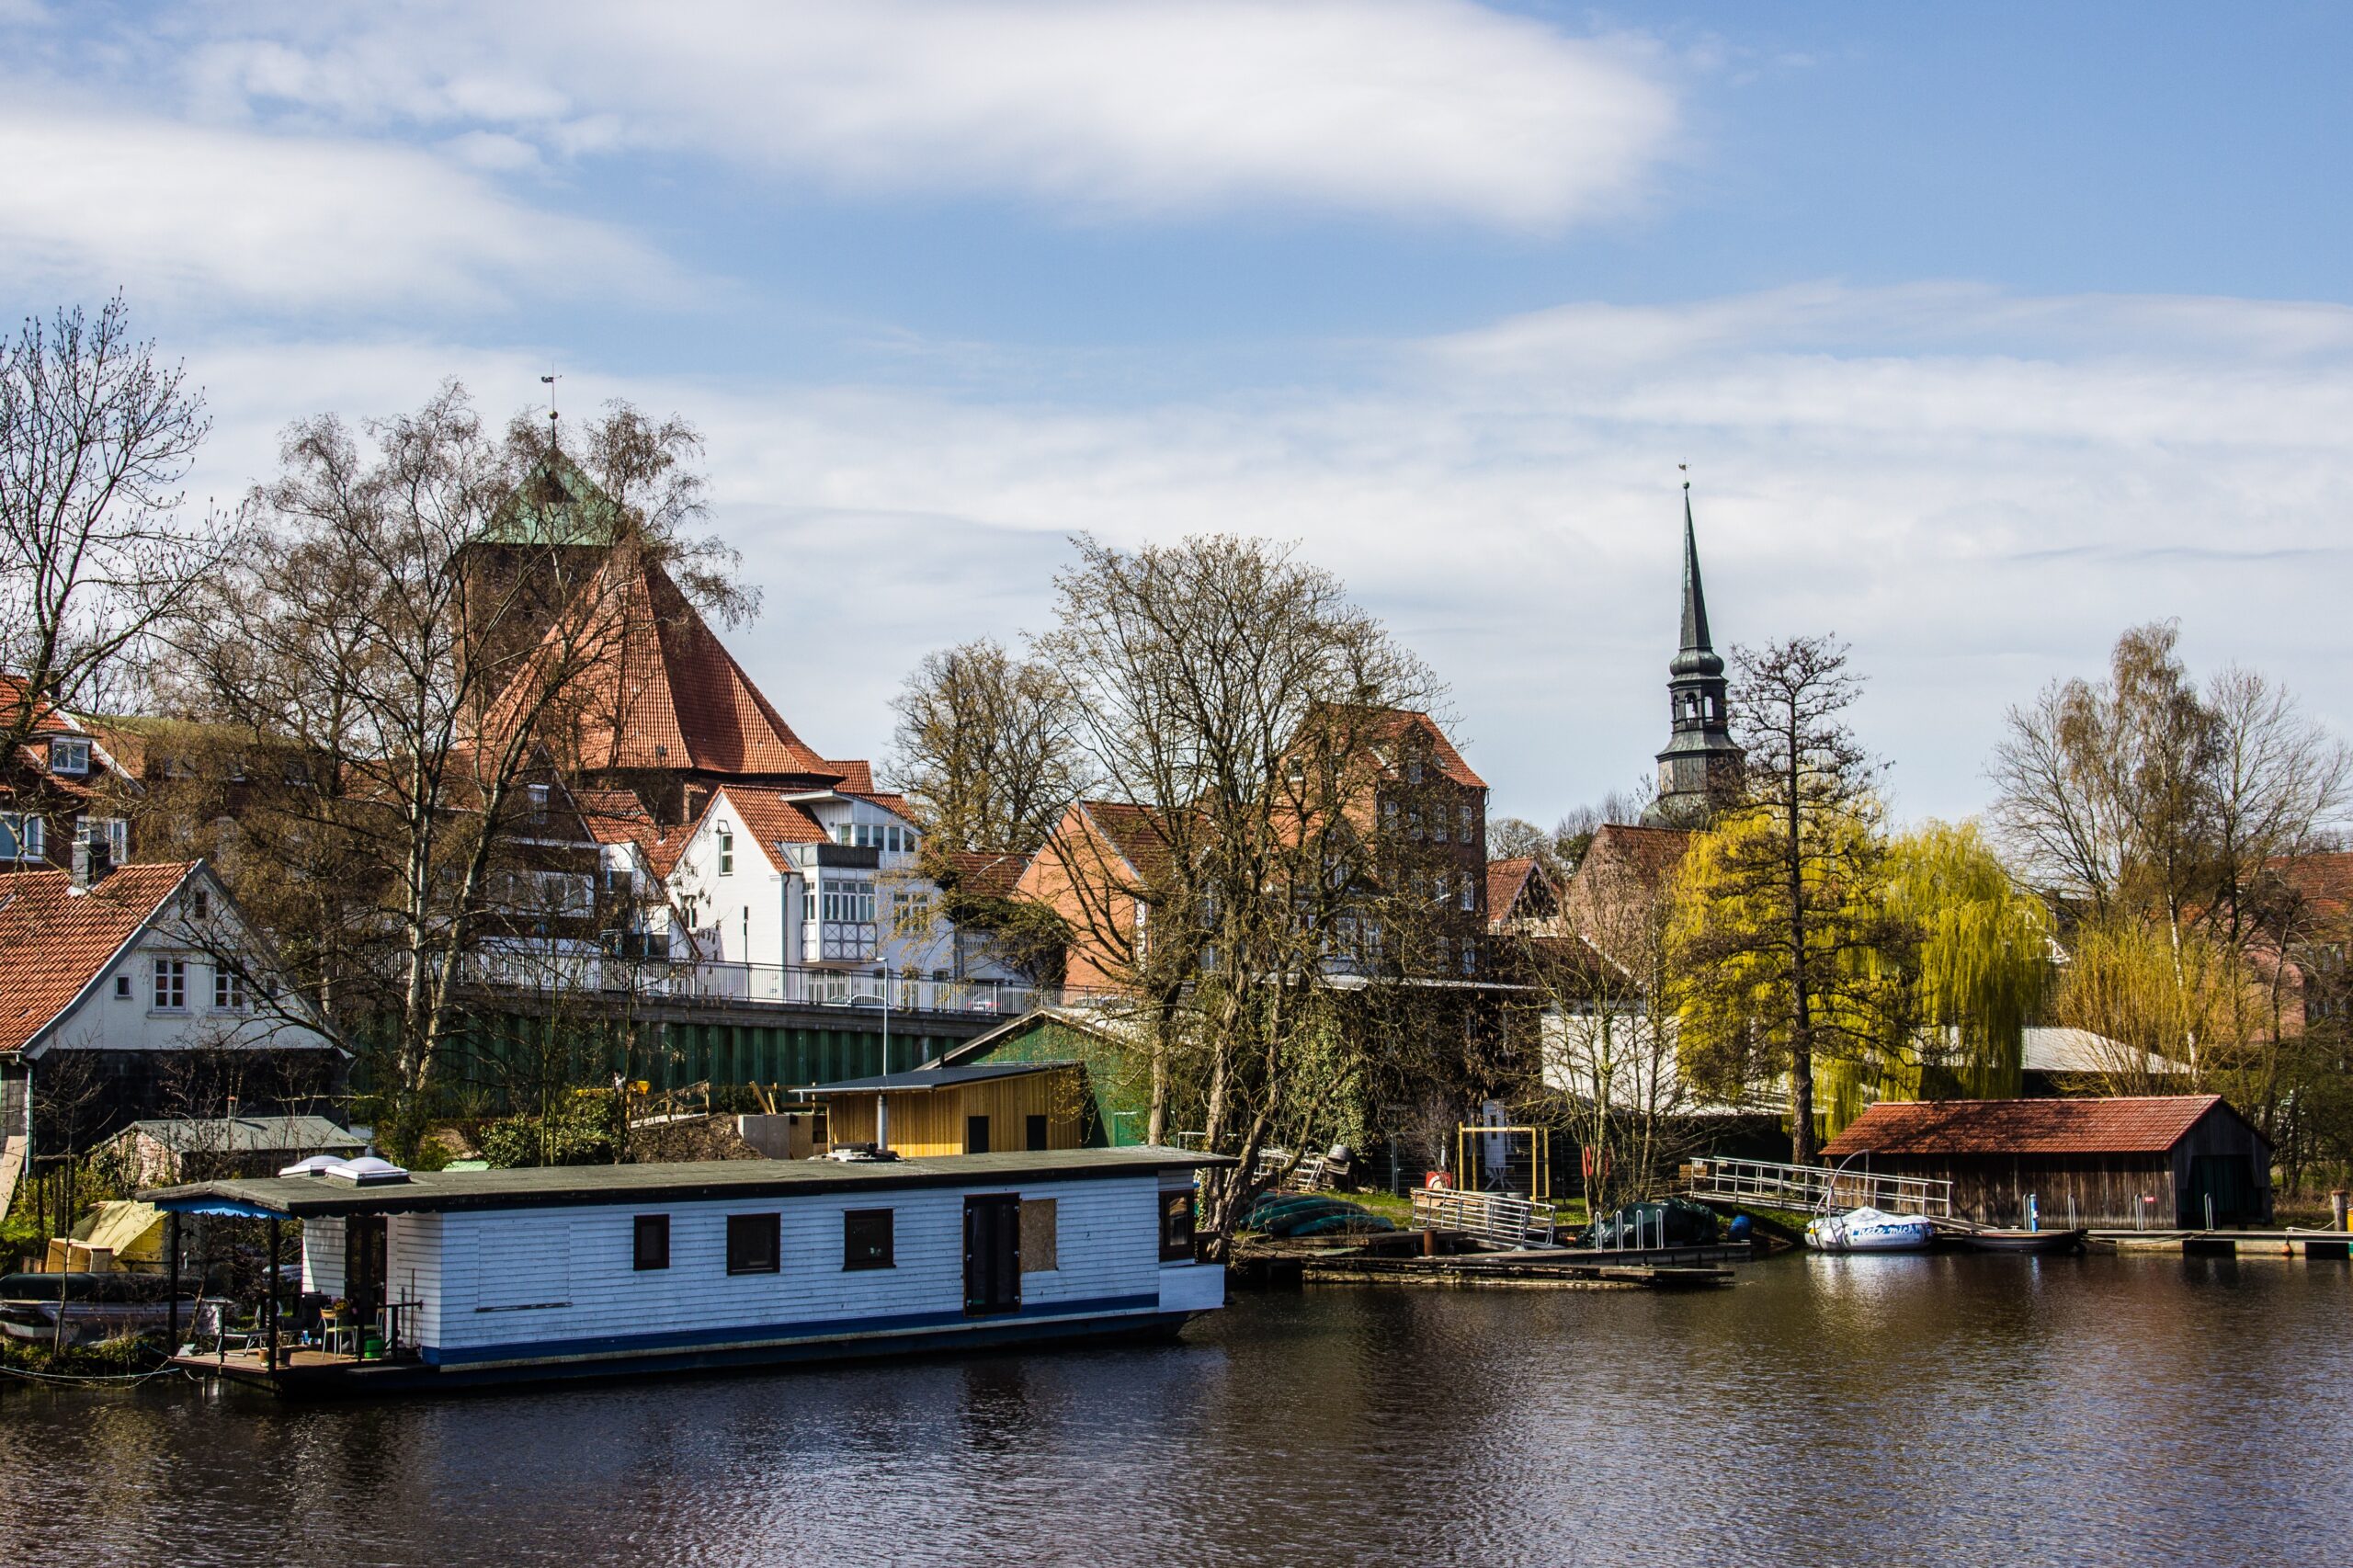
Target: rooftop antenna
(548, 382)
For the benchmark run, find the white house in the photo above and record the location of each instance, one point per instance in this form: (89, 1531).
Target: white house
(139, 990)
(819, 879)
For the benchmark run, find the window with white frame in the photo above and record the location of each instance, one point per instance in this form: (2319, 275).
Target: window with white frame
(1466, 822)
(1468, 893)
(171, 985)
(22, 836)
(844, 901)
(228, 990)
(69, 755)
(842, 835)
(726, 850)
(112, 832)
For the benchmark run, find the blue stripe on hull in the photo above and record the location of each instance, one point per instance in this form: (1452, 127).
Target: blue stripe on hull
(760, 1338)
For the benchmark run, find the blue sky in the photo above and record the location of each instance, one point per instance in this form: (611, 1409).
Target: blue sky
(1988, 331)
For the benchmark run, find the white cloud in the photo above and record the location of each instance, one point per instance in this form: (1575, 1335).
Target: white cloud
(1974, 519)
(214, 214)
(1392, 107)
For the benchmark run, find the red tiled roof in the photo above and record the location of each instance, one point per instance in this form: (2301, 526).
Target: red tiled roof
(1136, 831)
(2325, 880)
(53, 942)
(1505, 878)
(664, 693)
(986, 874)
(857, 778)
(1392, 725)
(2137, 1125)
(46, 719)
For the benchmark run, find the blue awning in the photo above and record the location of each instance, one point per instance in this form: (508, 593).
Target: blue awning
(223, 1208)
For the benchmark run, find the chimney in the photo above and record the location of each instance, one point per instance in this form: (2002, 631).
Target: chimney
(92, 861)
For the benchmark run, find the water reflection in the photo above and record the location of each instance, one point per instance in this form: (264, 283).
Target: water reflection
(1881, 1410)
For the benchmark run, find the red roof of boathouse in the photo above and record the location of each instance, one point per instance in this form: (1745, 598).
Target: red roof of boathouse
(2149, 1124)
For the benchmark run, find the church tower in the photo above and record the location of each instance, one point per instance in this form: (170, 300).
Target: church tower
(1699, 772)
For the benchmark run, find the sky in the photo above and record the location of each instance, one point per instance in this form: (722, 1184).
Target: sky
(1987, 331)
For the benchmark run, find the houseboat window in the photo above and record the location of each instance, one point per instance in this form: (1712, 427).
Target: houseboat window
(866, 1239)
(753, 1243)
(1176, 1226)
(649, 1248)
(976, 1135)
(171, 984)
(1034, 1128)
(1040, 1228)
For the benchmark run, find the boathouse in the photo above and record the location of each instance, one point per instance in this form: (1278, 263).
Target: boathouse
(2151, 1161)
(979, 1110)
(481, 1276)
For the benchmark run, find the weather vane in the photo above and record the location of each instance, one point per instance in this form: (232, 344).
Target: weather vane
(1685, 470)
(548, 382)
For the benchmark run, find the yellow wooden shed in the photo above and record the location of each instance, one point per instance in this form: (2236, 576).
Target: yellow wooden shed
(992, 1108)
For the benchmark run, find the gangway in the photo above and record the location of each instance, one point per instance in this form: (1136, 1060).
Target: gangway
(1817, 1188)
(1491, 1216)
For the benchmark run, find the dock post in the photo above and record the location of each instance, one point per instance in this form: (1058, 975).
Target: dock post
(2340, 1218)
(172, 1313)
(269, 1305)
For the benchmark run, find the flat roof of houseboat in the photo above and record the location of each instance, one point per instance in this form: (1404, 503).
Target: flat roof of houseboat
(549, 1187)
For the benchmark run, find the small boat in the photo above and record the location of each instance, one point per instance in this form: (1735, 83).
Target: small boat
(2021, 1241)
(94, 1306)
(1870, 1230)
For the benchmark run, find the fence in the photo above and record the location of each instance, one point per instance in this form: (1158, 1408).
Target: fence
(1507, 1221)
(788, 985)
(1819, 1187)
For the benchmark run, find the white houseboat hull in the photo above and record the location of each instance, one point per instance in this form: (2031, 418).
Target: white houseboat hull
(1870, 1229)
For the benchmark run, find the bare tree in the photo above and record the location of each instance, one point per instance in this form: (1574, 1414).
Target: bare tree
(349, 636)
(96, 437)
(1238, 705)
(984, 748)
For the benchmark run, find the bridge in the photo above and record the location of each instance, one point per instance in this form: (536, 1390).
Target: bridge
(1816, 1190)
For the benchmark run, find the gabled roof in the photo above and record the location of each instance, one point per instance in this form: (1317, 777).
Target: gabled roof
(46, 719)
(2325, 880)
(663, 693)
(2149, 1124)
(1510, 879)
(55, 943)
(1651, 855)
(1394, 727)
(1136, 832)
(986, 874)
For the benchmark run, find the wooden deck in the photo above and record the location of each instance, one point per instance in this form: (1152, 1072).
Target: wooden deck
(2317, 1245)
(1562, 1269)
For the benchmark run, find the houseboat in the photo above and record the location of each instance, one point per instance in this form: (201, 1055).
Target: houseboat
(453, 1278)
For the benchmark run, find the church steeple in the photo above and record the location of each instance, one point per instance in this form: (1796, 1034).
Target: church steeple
(1699, 772)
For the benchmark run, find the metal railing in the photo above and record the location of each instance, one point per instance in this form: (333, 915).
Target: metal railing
(788, 985)
(1820, 1187)
(1490, 1216)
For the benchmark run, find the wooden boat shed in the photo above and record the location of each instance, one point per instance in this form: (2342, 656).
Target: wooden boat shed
(2149, 1162)
(988, 1108)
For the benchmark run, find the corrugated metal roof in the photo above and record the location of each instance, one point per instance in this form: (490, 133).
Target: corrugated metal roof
(937, 1077)
(248, 1134)
(706, 1180)
(2125, 1125)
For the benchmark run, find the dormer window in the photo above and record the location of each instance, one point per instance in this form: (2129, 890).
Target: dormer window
(70, 755)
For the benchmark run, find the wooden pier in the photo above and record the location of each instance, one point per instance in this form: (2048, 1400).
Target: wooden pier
(1555, 1269)
(2316, 1245)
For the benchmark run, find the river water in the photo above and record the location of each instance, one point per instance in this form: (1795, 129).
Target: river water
(1936, 1409)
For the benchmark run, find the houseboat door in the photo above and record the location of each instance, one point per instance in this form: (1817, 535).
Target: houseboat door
(364, 1266)
(991, 1255)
